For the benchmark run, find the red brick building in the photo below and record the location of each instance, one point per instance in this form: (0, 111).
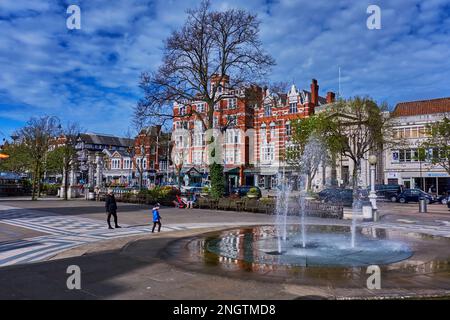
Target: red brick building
(252, 129)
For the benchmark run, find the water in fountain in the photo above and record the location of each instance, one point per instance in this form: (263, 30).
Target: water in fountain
(356, 208)
(282, 209)
(302, 202)
(313, 155)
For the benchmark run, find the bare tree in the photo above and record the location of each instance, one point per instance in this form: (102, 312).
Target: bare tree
(223, 45)
(36, 136)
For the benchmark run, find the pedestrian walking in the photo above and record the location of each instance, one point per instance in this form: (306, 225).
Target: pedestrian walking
(111, 209)
(156, 218)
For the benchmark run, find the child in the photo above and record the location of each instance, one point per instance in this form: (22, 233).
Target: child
(156, 218)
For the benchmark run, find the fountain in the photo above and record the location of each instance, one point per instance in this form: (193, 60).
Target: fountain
(328, 253)
(282, 210)
(293, 241)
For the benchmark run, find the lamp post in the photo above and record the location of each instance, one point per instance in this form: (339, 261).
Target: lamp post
(373, 195)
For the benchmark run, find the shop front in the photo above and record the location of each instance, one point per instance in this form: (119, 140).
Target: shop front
(431, 182)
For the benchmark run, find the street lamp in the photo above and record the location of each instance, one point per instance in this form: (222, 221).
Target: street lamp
(373, 195)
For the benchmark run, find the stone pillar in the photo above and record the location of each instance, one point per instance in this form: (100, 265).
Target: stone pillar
(91, 171)
(99, 173)
(63, 183)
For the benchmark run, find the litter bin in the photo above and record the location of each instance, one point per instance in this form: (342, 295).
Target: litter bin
(422, 205)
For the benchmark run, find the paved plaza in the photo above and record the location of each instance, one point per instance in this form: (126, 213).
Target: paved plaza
(40, 239)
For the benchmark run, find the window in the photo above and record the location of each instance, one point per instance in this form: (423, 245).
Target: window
(267, 152)
(395, 156)
(144, 164)
(201, 107)
(115, 164)
(288, 129)
(408, 155)
(232, 103)
(232, 136)
(272, 131)
(263, 133)
(182, 111)
(232, 121)
(267, 110)
(127, 164)
(217, 106)
(198, 139)
(293, 107)
(237, 155)
(198, 125)
(215, 122)
(198, 155)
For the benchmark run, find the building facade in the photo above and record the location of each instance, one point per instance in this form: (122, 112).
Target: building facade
(251, 126)
(403, 165)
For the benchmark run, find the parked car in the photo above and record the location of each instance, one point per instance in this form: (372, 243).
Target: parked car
(388, 191)
(414, 195)
(443, 198)
(344, 196)
(243, 190)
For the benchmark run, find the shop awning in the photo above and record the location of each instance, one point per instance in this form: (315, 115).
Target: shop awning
(234, 170)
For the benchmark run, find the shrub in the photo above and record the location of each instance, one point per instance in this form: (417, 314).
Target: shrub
(253, 191)
(217, 180)
(50, 189)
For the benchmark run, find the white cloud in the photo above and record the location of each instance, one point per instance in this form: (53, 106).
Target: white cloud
(91, 75)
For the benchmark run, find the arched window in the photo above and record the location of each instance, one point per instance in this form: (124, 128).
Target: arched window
(263, 133)
(272, 130)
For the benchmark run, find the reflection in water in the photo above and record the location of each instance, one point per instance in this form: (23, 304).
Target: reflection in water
(328, 246)
(328, 259)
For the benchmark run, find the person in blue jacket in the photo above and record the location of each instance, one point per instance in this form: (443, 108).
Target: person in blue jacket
(156, 218)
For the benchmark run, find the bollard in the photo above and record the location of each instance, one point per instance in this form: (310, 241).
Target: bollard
(376, 216)
(367, 213)
(422, 205)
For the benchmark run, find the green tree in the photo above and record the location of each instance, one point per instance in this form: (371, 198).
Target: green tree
(438, 143)
(312, 146)
(217, 180)
(357, 127)
(36, 137)
(19, 158)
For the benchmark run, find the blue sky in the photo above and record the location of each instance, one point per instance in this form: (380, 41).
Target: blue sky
(91, 75)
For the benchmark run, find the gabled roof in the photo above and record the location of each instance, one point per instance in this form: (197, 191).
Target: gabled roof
(93, 138)
(420, 107)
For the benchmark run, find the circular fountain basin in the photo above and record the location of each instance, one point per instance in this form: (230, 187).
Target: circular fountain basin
(333, 248)
(411, 263)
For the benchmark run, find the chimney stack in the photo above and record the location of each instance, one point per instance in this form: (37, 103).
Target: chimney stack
(330, 97)
(314, 92)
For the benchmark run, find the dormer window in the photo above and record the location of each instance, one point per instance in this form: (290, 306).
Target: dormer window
(267, 110)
